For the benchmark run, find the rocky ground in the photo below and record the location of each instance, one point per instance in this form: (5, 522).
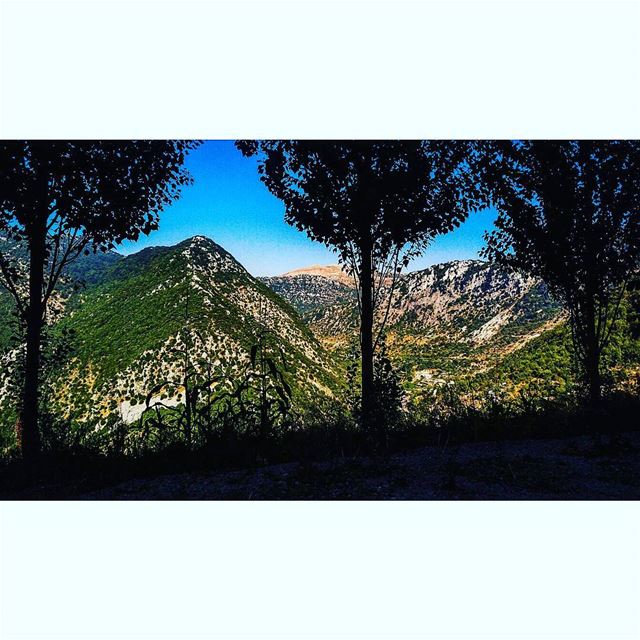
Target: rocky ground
(568, 469)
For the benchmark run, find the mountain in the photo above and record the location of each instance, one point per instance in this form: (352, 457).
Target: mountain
(313, 290)
(450, 318)
(309, 293)
(128, 328)
(86, 270)
(131, 328)
(89, 269)
(333, 272)
(471, 300)
(456, 319)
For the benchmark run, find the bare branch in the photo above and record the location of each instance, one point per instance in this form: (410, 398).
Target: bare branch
(9, 283)
(614, 316)
(73, 248)
(392, 288)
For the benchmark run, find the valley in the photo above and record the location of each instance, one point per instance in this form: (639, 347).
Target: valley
(444, 323)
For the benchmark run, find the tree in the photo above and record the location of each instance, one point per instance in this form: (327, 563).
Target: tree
(377, 203)
(60, 199)
(569, 214)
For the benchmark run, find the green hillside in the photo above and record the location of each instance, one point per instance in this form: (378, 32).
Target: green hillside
(135, 327)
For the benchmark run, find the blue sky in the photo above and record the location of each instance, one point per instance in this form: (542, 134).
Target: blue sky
(229, 204)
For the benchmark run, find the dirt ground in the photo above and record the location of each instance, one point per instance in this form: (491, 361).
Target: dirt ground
(579, 468)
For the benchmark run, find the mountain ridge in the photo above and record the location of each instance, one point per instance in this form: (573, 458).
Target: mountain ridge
(331, 272)
(131, 327)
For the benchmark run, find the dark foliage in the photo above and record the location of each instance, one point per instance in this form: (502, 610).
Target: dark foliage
(69, 472)
(57, 200)
(377, 203)
(568, 213)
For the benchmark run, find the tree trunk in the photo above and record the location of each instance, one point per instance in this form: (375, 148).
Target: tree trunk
(595, 387)
(592, 371)
(188, 399)
(34, 323)
(592, 358)
(366, 335)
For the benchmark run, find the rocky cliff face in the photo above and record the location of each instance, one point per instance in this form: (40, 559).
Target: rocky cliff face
(470, 300)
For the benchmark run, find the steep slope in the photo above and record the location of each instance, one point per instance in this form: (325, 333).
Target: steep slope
(7, 320)
(151, 311)
(472, 301)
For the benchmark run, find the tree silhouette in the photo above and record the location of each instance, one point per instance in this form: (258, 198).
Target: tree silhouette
(59, 199)
(569, 214)
(377, 203)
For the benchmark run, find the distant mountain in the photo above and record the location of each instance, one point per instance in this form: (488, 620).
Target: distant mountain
(86, 270)
(470, 300)
(332, 272)
(132, 327)
(89, 269)
(310, 293)
(445, 318)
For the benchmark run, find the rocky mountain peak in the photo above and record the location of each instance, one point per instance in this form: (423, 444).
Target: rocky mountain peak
(205, 254)
(333, 272)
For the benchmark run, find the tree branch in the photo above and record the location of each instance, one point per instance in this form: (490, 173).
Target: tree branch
(9, 283)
